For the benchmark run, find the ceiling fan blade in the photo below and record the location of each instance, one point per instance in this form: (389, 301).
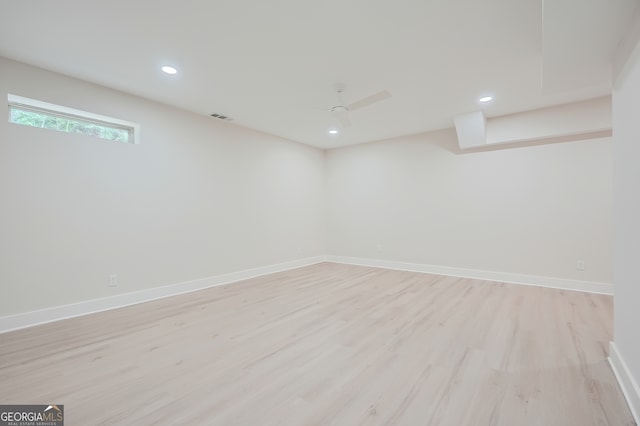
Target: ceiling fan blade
(343, 118)
(380, 96)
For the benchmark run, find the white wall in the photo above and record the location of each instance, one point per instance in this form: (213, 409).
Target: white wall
(200, 198)
(626, 132)
(196, 198)
(531, 210)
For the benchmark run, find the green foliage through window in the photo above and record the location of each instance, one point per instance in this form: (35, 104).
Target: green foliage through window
(68, 124)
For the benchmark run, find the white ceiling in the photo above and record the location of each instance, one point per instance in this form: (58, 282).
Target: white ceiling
(271, 65)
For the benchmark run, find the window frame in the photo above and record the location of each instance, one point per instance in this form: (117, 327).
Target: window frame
(53, 110)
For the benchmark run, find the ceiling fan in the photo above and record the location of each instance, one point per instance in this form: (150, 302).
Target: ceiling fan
(342, 110)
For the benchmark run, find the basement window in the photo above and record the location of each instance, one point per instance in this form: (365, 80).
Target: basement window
(34, 113)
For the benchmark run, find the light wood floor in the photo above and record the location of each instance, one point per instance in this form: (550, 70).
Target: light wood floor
(328, 344)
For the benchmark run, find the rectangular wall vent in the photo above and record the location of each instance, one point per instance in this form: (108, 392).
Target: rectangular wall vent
(220, 117)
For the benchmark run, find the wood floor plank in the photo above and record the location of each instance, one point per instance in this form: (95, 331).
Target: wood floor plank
(329, 344)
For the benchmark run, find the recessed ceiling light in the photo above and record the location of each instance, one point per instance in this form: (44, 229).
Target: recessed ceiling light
(333, 132)
(169, 70)
(486, 99)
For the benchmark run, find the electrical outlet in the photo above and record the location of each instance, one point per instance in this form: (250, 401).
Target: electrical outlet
(113, 280)
(580, 265)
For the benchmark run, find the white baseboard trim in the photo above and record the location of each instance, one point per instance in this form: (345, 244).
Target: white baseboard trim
(504, 277)
(56, 313)
(629, 386)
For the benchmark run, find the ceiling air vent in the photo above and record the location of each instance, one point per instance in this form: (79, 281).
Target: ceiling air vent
(220, 117)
